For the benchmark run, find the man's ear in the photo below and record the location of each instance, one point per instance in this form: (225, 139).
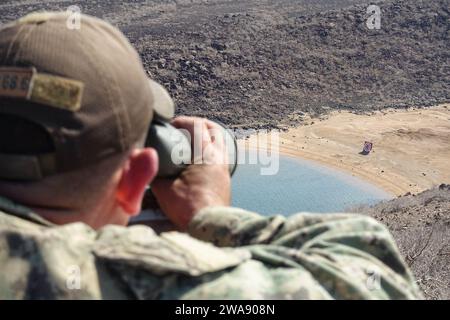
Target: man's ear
(141, 169)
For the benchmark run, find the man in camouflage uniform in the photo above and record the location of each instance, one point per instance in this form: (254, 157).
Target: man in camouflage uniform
(75, 106)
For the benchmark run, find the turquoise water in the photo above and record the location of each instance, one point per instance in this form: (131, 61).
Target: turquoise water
(300, 186)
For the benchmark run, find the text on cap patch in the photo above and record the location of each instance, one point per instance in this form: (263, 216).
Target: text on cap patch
(49, 90)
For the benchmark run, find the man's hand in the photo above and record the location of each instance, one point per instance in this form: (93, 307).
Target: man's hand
(200, 185)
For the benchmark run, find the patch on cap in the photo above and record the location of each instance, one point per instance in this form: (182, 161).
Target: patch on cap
(49, 90)
(15, 82)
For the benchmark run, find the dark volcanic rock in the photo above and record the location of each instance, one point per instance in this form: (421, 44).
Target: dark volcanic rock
(265, 68)
(262, 63)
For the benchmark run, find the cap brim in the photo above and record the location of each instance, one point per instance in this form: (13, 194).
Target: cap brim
(163, 105)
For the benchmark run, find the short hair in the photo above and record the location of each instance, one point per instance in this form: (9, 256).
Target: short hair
(75, 189)
(80, 188)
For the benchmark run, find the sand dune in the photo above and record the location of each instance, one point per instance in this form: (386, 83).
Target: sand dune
(411, 150)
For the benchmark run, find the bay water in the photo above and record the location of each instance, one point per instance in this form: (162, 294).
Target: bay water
(300, 186)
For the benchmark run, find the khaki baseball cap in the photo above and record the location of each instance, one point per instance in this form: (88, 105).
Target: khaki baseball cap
(70, 97)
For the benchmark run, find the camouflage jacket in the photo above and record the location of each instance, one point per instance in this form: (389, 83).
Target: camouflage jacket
(228, 253)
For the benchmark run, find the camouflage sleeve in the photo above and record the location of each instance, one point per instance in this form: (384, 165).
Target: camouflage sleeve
(349, 255)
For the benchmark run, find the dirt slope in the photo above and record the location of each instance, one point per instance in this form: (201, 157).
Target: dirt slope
(421, 226)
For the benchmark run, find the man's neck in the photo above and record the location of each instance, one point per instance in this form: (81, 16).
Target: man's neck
(56, 215)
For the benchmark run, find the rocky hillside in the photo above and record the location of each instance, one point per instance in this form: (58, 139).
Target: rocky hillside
(263, 68)
(266, 63)
(421, 226)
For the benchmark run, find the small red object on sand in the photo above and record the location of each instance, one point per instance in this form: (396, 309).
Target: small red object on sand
(367, 147)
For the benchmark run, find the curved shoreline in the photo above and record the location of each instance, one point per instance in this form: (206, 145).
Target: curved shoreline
(381, 183)
(410, 154)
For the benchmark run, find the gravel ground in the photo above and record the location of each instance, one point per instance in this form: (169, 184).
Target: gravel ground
(264, 64)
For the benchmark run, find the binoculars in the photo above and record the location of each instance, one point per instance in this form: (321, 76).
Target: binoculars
(174, 147)
(175, 153)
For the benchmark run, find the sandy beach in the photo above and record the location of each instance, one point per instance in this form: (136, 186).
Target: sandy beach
(411, 148)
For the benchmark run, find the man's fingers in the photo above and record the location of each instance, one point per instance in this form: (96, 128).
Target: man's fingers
(183, 122)
(207, 139)
(197, 128)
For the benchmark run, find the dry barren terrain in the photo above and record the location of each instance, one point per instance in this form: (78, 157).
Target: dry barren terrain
(266, 63)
